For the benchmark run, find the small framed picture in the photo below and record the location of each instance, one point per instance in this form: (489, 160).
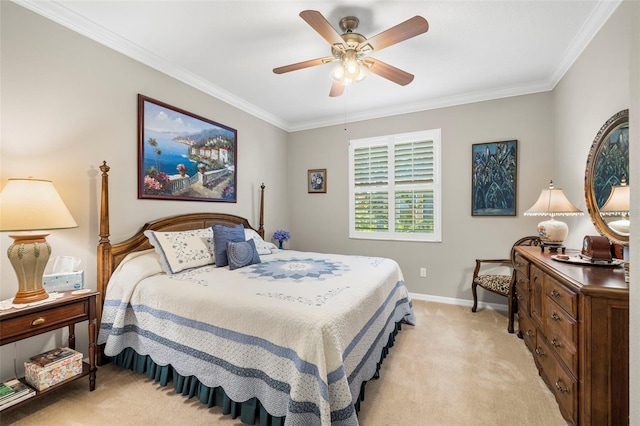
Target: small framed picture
(317, 181)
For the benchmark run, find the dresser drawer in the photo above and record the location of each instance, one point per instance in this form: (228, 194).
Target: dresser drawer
(560, 294)
(55, 317)
(559, 323)
(528, 331)
(563, 385)
(562, 335)
(521, 265)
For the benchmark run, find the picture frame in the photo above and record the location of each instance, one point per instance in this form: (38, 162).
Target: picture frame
(494, 178)
(183, 156)
(317, 181)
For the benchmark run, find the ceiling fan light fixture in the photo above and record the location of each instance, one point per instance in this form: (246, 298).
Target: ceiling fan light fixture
(350, 50)
(352, 70)
(337, 73)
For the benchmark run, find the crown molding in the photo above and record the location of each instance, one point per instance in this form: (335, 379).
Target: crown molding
(598, 17)
(443, 102)
(58, 13)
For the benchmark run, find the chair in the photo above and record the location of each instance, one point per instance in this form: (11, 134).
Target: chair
(503, 285)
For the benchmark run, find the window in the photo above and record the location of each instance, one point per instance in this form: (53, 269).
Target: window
(394, 187)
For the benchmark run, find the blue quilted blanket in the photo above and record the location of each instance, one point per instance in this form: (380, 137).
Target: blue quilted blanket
(300, 331)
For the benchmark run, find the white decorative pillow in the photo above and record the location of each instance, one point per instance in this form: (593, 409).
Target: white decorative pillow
(183, 250)
(262, 246)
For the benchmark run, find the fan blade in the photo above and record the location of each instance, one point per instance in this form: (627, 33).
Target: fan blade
(403, 31)
(337, 89)
(322, 26)
(304, 64)
(390, 72)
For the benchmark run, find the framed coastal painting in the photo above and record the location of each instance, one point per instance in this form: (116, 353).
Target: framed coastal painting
(494, 178)
(317, 181)
(182, 156)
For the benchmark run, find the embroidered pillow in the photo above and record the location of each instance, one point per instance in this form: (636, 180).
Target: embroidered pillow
(262, 246)
(182, 250)
(221, 236)
(242, 254)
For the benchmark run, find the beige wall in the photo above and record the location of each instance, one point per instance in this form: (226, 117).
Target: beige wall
(599, 84)
(68, 103)
(320, 221)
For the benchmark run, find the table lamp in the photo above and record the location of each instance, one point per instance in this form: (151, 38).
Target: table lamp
(553, 202)
(31, 205)
(618, 205)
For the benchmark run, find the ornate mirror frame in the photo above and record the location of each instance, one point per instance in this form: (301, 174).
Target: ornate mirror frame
(607, 164)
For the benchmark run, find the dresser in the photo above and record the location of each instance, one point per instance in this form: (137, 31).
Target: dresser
(575, 321)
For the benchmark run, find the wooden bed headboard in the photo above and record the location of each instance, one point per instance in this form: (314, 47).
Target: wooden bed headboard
(110, 255)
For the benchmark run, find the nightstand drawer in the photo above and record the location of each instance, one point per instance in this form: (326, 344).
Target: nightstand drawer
(55, 317)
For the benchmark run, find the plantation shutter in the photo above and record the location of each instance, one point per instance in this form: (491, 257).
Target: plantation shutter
(371, 179)
(394, 187)
(414, 203)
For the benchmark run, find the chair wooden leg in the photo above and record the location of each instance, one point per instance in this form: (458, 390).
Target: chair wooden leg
(475, 297)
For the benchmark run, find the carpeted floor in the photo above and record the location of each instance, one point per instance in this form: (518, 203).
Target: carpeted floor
(453, 368)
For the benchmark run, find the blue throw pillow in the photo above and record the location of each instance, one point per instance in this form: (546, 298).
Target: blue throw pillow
(221, 236)
(242, 254)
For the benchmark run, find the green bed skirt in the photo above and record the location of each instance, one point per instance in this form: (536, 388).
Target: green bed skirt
(249, 411)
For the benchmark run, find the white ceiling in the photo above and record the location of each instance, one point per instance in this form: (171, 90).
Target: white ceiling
(474, 50)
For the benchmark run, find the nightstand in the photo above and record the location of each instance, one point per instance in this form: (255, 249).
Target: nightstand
(66, 311)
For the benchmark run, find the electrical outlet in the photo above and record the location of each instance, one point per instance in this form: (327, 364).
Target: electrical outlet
(423, 272)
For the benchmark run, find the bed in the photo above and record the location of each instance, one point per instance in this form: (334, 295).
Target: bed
(275, 337)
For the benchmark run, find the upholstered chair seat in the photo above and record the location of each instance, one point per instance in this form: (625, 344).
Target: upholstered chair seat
(496, 283)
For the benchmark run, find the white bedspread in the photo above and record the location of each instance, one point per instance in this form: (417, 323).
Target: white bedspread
(299, 331)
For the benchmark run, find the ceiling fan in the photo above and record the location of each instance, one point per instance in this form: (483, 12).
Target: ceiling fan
(351, 50)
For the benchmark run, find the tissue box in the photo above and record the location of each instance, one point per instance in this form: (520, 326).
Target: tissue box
(63, 281)
(50, 368)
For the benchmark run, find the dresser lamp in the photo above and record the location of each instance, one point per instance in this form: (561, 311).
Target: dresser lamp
(618, 205)
(553, 202)
(31, 205)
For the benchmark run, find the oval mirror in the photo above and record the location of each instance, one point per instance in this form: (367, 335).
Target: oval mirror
(607, 170)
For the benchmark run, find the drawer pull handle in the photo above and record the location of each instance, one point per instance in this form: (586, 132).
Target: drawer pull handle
(555, 343)
(559, 386)
(555, 316)
(529, 333)
(554, 293)
(520, 297)
(37, 321)
(539, 351)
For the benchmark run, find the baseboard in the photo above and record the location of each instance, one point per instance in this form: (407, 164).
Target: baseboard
(459, 302)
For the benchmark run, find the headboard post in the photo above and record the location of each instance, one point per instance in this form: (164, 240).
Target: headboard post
(105, 265)
(261, 228)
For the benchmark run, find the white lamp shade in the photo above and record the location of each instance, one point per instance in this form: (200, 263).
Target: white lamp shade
(32, 204)
(553, 202)
(618, 205)
(618, 202)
